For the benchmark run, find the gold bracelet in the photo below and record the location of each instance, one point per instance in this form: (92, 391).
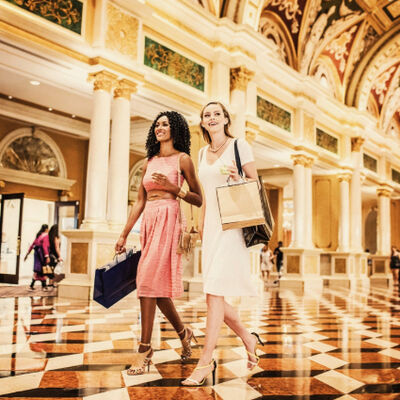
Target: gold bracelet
(182, 193)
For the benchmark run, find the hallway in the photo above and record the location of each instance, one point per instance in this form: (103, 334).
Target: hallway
(340, 345)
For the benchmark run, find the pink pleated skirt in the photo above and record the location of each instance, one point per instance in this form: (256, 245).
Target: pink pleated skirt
(160, 269)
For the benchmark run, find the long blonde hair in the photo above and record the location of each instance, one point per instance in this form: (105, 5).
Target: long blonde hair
(206, 135)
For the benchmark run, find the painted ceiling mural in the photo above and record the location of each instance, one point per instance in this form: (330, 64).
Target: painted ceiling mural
(352, 47)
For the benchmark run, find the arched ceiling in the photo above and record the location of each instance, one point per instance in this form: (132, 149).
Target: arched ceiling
(352, 47)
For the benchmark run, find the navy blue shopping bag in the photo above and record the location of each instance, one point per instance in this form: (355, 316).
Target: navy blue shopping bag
(115, 280)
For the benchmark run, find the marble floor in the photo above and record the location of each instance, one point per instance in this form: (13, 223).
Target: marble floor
(336, 344)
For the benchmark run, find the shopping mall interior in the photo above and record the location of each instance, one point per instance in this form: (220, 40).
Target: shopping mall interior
(313, 86)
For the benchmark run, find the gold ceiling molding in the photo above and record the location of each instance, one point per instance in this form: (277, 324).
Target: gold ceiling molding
(250, 136)
(122, 32)
(240, 77)
(125, 89)
(116, 67)
(102, 80)
(356, 143)
(384, 191)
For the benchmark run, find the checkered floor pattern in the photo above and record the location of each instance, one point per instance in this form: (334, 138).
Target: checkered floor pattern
(339, 344)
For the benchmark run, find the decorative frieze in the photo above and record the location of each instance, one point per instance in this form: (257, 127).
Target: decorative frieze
(370, 163)
(173, 64)
(65, 13)
(395, 176)
(327, 141)
(240, 77)
(102, 80)
(122, 32)
(274, 114)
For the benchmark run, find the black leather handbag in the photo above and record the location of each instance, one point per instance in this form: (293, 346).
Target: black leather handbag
(117, 279)
(258, 234)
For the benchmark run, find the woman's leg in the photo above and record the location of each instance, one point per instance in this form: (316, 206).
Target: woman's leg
(232, 319)
(215, 317)
(167, 307)
(147, 311)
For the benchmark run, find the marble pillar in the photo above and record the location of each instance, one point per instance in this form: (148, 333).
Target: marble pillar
(118, 180)
(308, 205)
(344, 218)
(97, 166)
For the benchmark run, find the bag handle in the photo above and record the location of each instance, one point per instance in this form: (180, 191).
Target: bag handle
(237, 159)
(179, 199)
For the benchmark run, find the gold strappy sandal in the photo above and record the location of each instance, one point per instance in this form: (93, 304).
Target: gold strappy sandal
(141, 360)
(187, 344)
(254, 363)
(193, 382)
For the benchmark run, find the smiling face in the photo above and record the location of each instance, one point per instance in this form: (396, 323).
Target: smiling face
(162, 129)
(213, 118)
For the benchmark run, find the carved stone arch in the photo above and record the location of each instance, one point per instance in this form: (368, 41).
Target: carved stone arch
(135, 177)
(391, 103)
(324, 68)
(373, 107)
(274, 30)
(379, 57)
(39, 153)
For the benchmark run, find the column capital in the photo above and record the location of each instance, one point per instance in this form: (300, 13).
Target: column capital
(385, 191)
(299, 159)
(102, 80)
(309, 162)
(344, 176)
(124, 89)
(240, 77)
(2, 184)
(356, 143)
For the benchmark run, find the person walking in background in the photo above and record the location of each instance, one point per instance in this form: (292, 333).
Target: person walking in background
(225, 257)
(159, 275)
(278, 259)
(395, 264)
(54, 252)
(41, 256)
(266, 263)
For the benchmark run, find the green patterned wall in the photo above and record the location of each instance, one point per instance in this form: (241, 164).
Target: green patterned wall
(272, 113)
(395, 176)
(66, 13)
(327, 141)
(173, 64)
(370, 163)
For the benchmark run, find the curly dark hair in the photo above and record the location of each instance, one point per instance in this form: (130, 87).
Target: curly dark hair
(179, 132)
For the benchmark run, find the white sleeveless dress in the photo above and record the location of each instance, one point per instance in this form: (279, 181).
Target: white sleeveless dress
(225, 258)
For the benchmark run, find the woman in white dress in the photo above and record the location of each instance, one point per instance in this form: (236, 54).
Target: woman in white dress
(266, 262)
(225, 258)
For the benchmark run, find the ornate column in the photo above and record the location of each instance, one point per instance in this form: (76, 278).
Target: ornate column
(344, 219)
(118, 178)
(239, 78)
(384, 240)
(308, 217)
(355, 193)
(97, 167)
(299, 197)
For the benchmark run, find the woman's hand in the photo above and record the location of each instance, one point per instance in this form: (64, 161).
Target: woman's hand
(233, 172)
(163, 181)
(120, 245)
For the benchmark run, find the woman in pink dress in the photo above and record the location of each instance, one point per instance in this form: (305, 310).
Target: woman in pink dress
(159, 276)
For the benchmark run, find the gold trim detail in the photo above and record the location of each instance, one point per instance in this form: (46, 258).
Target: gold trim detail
(2, 184)
(309, 162)
(122, 32)
(356, 143)
(240, 77)
(250, 136)
(125, 89)
(102, 80)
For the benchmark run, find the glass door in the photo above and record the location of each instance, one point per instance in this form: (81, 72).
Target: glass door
(10, 234)
(66, 216)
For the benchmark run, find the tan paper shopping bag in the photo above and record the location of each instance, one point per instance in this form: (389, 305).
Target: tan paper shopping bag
(240, 205)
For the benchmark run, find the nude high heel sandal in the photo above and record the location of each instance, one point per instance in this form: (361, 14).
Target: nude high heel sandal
(187, 344)
(193, 382)
(141, 360)
(255, 363)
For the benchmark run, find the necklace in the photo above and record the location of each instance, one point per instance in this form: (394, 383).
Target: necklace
(218, 148)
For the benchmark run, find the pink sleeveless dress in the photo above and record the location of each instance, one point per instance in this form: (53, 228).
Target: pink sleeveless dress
(160, 270)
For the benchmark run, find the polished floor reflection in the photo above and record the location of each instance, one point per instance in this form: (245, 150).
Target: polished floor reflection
(335, 345)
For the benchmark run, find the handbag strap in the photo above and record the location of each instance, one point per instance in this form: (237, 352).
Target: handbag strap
(179, 199)
(237, 159)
